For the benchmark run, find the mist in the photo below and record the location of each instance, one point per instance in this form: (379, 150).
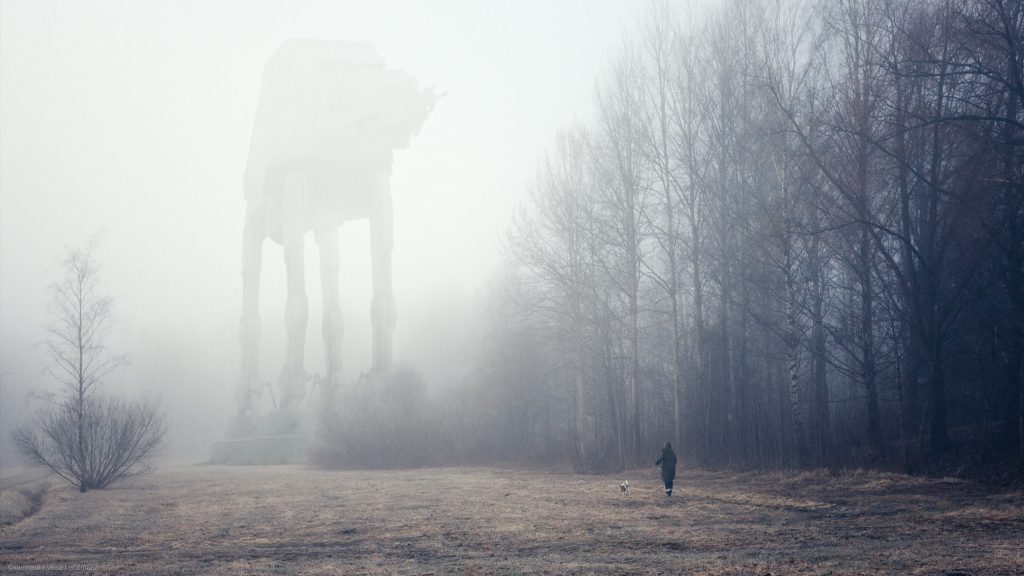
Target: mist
(490, 287)
(133, 120)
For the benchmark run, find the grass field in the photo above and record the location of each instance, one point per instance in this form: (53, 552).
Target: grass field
(298, 520)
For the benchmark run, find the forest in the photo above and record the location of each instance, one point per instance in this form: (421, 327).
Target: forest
(792, 235)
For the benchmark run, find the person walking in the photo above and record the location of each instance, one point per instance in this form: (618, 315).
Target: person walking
(668, 467)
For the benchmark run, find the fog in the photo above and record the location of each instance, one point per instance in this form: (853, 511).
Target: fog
(133, 120)
(708, 286)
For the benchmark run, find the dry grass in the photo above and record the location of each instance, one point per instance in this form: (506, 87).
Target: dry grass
(19, 502)
(297, 520)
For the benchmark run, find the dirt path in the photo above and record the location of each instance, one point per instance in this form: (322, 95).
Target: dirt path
(296, 520)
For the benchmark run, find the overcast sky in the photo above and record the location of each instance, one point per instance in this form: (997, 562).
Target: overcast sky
(134, 117)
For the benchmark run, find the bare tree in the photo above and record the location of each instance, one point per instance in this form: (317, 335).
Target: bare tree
(992, 31)
(624, 195)
(86, 438)
(96, 442)
(554, 245)
(688, 125)
(659, 38)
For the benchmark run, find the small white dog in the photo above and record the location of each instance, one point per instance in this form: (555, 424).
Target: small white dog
(624, 487)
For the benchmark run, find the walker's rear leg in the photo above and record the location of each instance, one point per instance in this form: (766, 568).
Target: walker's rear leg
(333, 328)
(292, 381)
(382, 307)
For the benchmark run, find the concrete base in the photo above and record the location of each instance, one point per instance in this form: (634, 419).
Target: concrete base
(258, 450)
(281, 437)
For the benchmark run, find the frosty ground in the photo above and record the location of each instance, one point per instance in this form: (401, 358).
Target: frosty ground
(300, 520)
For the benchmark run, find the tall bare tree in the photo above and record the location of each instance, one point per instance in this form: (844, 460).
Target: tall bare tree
(86, 438)
(624, 193)
(659, 42)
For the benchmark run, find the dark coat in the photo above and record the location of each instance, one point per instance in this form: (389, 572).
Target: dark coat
(668, 464)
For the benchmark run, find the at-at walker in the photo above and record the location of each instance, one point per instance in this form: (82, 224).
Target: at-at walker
(329, 118)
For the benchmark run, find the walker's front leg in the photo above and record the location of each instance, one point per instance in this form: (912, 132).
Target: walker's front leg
(382, 308)
(249, 325)
(327, 245)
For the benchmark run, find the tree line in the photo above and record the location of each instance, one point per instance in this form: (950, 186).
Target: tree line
(792, 235)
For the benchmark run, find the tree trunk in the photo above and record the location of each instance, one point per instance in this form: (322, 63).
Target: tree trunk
(81, 345)
(868, 375)
(821, 407)
(634, 377)
(792, 356)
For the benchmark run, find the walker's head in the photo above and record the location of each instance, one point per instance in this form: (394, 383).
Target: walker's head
(332, 111)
